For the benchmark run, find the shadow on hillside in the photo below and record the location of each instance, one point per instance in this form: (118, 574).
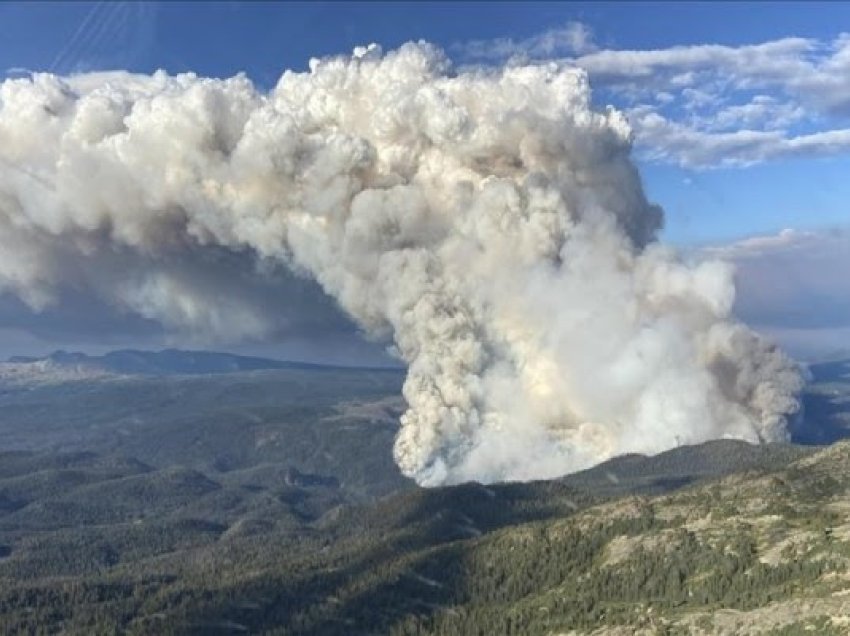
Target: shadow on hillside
(367, 596)
(401, 559)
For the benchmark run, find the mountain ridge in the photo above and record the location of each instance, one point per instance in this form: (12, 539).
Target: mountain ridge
(170, 362)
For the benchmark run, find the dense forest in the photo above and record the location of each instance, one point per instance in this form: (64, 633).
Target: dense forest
(238, 505)
(537, 558)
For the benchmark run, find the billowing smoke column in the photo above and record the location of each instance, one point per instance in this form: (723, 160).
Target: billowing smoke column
(490, 222)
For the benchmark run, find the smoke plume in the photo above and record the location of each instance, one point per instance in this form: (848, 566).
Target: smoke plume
(489, 222)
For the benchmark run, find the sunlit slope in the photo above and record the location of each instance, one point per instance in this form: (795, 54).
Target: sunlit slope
(247, 501)
(291, 557)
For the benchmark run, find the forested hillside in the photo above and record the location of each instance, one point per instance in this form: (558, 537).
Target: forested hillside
(770, 547)
(267, 502)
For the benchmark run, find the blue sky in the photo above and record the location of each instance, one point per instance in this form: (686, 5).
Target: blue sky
(741, 111)
(704, 203)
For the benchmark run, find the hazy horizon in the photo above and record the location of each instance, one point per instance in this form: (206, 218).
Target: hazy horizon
(745, 160)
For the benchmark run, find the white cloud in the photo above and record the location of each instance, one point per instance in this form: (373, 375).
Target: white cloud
(574, 38)
(762, 110)
(793, 286)
(665, 140)
(18, 70)
(492, 225)
(714, 119)
(756, 246)
(709, 105)
(773, 61)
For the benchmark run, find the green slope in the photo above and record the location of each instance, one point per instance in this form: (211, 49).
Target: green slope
(537, 558)
(267, 502)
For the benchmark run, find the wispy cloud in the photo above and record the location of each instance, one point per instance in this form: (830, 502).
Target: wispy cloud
(574, 38)
(814, 72)
(709, 105)
(17, 70)
(665, 140)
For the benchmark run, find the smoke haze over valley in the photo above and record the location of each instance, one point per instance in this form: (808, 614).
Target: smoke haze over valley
(354, 319)
(487, 223)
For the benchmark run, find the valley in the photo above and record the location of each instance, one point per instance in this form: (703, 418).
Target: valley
(266, 501)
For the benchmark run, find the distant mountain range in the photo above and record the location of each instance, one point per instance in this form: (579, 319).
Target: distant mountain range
(165, 362)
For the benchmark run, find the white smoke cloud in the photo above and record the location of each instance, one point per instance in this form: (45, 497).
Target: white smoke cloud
(491, 223)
